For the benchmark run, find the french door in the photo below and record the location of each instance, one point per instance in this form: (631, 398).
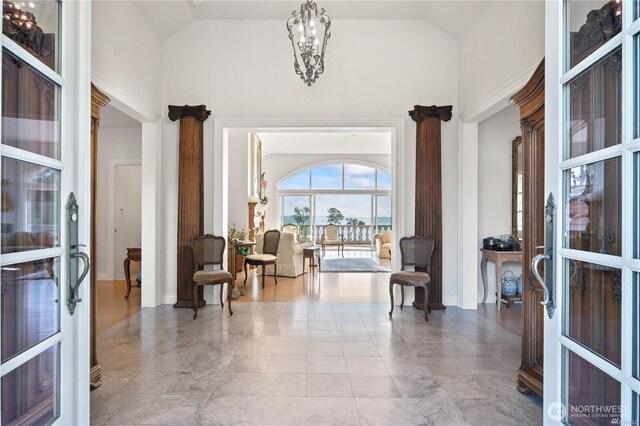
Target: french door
(592, 244)
(45, 136)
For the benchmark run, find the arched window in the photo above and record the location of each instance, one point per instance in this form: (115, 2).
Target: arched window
(355, 196)
(341, 176)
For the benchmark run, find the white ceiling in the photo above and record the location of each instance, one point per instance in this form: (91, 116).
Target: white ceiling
(169, 16)
(325, 142)
(111, 117)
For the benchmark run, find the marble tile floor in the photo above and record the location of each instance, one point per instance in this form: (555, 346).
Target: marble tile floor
(288, 363)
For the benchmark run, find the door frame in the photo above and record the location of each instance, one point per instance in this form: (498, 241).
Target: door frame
(216, 214)
(111, 204)
(151, 197)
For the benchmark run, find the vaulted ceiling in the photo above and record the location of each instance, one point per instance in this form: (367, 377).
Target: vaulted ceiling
(168, 17)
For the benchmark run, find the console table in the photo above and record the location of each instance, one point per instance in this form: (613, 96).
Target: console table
(134, 254)
(498, 257)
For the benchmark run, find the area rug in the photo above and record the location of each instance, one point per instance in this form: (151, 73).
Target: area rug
(351, 265)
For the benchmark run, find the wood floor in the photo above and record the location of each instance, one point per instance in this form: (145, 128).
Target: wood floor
(112, 307)
(320, 287)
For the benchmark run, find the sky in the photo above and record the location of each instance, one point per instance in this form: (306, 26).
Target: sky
(356, 176)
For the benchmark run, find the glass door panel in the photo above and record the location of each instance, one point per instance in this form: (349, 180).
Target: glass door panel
(591, 396)
(593, 207)
(636, 326)
(593, 306)
(594, 120)
(296, 209)
(351, 212)
(591, 105)
(590, 24)
(30, 206)
(382, 213)
(34, 25)
(30, 115)
(30, 311)
(31, 395)
(31, 320)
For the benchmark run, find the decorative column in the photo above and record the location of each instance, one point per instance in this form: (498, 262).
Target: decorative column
(98, 100)
(428, 216)
(190, 196)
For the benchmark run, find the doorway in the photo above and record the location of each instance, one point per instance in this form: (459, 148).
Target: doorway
(118, 210)
(282, 154)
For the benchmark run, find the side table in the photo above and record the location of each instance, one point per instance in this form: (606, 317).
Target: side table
(499, 257)
(134, 254)
(312, 253)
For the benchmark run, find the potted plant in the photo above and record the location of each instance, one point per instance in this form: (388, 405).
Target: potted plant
(239, 235)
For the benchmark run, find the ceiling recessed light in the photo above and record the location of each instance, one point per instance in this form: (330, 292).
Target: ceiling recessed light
(286, 144)
(348, 143)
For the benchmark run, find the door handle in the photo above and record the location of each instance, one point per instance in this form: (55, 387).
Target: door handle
(536, 274)
(85, 269)
(548, 256)
(73, 279)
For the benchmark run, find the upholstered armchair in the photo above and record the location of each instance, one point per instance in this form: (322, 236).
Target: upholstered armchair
(292, 229)
(331, 237)
(290, 255)
(383, 244)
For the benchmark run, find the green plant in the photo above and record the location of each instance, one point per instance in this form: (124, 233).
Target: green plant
(239, 235)
(334, 216)
(301, 215)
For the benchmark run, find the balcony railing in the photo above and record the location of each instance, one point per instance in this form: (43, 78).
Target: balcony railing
(353, 234)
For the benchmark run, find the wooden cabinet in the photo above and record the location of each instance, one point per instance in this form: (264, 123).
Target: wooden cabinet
(531, 102)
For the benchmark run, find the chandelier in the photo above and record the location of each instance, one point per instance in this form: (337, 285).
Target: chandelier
(309, 32)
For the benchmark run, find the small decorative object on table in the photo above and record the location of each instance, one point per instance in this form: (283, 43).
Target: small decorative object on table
(509, 283)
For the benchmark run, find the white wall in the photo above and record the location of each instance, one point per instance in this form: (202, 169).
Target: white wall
(113, 144)
(505, 41)
(495, 136)
(239, 179)
(374, 69)
(126, 53)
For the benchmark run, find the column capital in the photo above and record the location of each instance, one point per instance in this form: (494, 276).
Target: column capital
(421, 112)
(199, 112)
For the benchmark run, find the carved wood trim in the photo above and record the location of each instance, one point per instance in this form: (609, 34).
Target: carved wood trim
(530, 99)
(199, 112)
(98, 101)
(420, 112)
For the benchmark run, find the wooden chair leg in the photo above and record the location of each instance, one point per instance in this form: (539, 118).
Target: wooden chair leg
(391, 297)
(275, 269)
(426, 303)
(221, 301)
(245, 272)
(263, 266)
(402, 293)
(195, 301)
(229, 292)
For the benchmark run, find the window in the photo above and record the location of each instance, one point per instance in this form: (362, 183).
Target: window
(339, 176)
(356, 197)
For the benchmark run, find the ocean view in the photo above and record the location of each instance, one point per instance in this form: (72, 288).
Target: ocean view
(322, 220)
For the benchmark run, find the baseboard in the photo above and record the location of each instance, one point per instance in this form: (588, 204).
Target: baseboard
(450, 300)
(169, 298)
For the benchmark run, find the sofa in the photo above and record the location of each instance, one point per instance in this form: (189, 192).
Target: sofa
(290, 255)
(383, 244)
